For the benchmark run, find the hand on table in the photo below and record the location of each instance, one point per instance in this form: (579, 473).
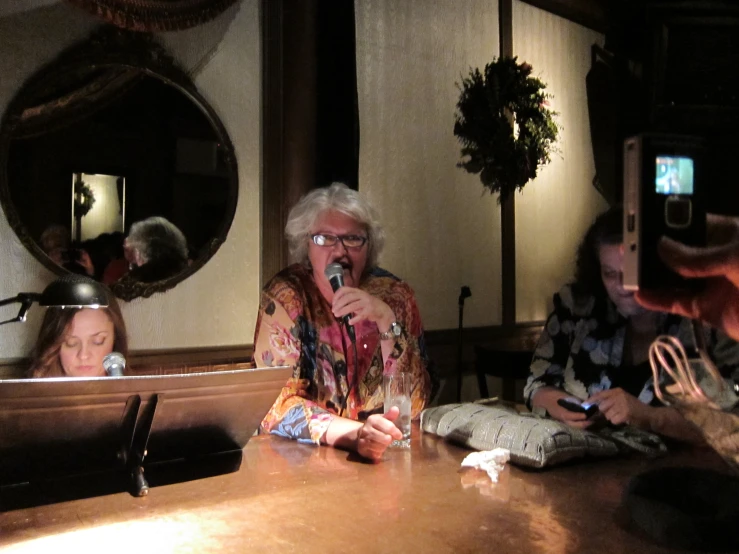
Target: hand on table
(377, 433)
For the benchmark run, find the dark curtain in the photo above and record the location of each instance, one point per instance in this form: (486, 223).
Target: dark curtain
(337, 127)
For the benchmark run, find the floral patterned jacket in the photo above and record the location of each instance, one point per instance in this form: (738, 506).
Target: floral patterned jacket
(296, 327)
(582, 345)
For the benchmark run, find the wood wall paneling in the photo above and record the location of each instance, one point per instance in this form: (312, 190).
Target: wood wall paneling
(288, 119)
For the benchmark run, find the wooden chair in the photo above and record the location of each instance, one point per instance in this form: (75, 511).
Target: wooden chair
(509, 362)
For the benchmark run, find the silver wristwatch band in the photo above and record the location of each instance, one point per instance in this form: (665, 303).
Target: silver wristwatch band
(394, 331)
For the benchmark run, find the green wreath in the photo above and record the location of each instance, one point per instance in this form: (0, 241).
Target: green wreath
(505, 162)
(84, 198)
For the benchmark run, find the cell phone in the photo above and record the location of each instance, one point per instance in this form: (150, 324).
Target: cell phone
(574, 405)
(663, 196)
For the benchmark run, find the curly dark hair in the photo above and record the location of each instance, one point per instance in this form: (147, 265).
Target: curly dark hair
(606, 229)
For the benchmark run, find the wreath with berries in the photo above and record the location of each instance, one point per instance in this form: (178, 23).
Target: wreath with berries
(505, 151)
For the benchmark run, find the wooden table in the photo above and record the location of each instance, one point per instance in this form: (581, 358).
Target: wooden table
(289, 497)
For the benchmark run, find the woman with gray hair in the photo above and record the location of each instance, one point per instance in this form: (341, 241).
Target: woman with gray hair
(340, 339)
(155, 249)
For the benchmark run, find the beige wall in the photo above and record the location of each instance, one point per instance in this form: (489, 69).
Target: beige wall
(216, 306)
(554, 211)
(443, 231)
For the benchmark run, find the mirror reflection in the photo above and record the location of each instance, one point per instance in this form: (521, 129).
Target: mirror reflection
(120, 175)
(98, 202)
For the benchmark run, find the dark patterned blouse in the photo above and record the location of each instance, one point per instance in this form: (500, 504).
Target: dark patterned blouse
(581, 350)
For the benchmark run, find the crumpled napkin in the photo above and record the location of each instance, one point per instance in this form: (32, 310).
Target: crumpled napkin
(490, 461)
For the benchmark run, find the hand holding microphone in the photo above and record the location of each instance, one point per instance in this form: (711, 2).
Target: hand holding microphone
(353, 304)
(335, 275)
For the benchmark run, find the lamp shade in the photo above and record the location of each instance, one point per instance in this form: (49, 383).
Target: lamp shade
(74, 291)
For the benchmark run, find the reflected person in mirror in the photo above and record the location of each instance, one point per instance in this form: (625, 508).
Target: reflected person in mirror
(155, 249)
(72, 342)
(56, 243)
(594, 346)
(330, 400)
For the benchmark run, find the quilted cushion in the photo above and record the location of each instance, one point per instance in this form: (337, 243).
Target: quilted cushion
(532, 440)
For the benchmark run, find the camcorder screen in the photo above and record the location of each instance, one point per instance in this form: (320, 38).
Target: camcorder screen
(674, 175)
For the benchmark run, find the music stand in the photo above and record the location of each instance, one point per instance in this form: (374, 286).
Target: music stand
(56, 428)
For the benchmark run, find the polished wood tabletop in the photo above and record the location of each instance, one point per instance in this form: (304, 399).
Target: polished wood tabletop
(291, 497)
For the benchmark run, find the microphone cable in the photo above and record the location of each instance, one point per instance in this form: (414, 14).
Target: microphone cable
(334, 272)
(355, 381)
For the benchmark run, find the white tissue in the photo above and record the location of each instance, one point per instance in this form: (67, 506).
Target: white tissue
(490, 461)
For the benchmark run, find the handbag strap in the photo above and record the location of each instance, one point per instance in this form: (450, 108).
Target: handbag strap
(634, 439)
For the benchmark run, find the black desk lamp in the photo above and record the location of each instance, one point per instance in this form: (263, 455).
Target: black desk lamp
(68, 291)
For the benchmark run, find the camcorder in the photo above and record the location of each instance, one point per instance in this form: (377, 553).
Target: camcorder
(663, 196)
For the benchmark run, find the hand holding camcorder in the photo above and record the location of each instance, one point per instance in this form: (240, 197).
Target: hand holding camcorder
(663, 196)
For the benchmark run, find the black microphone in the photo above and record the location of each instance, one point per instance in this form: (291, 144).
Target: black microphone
(335, 275)
(114, 364)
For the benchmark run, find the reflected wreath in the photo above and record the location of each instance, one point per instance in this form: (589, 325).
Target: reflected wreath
(84, 198)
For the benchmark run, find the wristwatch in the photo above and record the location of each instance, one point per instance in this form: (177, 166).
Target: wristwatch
(393, 332)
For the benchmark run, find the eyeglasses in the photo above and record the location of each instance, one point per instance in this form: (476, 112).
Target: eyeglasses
(349, 241)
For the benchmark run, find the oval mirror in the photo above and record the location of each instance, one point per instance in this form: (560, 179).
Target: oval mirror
(108, 157)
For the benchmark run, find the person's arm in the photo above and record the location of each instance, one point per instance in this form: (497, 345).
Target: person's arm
(620, 407)
(86, 262)
(293, 415)
(277, 342)
(669, 422)
(369, 439)
(546, 381)
(393, 302)
(408, 352)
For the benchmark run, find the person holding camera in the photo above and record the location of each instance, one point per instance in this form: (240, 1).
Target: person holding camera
(718, 263)
(594, 347)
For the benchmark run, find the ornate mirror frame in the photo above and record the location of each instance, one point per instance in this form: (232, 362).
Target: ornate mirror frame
(138, 53)
(154, 15)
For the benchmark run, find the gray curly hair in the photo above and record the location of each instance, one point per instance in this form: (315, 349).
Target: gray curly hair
(340, 198)
(156, 237)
